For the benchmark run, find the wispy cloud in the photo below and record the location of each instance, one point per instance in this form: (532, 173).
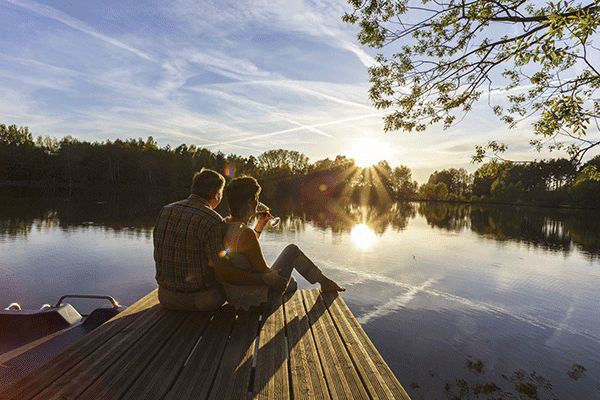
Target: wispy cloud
(307, 127)
(318, 19)
(299, 87)
(218, 74)
(246, 102)
(166, 109)
(283, 131)
(34, 81)
(54, 14)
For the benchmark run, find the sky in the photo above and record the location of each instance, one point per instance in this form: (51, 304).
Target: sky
(241, 77)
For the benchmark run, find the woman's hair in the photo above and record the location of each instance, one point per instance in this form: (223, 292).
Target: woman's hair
(207, 183)
(238, 192)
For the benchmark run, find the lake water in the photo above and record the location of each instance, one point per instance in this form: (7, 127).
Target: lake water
(458, 299)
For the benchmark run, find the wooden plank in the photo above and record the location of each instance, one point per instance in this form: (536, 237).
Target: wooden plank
(143, 353)
(308, 380)
(30, 385)
(271, 379)
(121, 374)
(375, 373)
(233, 378)
(149, 300)
(85, 372)
(161, 373)
(197, 375)
(342, 378)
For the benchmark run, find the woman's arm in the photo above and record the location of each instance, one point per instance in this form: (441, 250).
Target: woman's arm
(224, 272)
(261, 223)
(249, 246)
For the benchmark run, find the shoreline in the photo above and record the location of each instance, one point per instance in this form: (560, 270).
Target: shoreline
(81, 189)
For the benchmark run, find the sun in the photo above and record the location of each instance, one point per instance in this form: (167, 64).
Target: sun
(363, 237)
(368, 152)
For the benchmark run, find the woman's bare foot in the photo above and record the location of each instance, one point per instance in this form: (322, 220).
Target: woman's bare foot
(327, 285)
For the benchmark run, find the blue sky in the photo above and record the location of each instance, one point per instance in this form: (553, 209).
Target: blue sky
(240, 77)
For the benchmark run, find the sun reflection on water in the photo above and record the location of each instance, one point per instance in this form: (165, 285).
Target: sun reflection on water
(363, 237)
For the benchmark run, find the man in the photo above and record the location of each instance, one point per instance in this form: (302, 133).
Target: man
(188, 250)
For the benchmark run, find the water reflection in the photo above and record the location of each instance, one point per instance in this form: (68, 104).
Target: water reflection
(546, 228)
(437, 290)
(363, 237)
(343, 217)
(549, 229)
(25, 212)
(450, 217)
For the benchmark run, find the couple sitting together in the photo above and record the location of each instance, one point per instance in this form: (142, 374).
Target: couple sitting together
(203, 260)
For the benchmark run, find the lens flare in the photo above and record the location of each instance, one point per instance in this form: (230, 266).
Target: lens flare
(229, 169)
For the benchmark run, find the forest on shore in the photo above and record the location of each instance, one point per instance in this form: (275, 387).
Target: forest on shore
(142, 165)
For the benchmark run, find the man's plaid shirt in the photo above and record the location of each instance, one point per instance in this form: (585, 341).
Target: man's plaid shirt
(188, 238)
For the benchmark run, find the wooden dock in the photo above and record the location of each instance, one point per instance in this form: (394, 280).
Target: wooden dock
(309, 346)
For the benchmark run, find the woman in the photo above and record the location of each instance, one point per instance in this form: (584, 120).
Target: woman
(244, 251)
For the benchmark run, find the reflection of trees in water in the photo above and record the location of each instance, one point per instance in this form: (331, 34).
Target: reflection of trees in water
(523, 225)
(343, 216)
(556, 230)
(451, 217)
(134, 213)
(585, 231)
(20, 216)
(13, 227)
(129, 213)
(551, 229)
(401, 214)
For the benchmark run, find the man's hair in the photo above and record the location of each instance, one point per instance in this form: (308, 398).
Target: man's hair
(238, 192)
(207, 183)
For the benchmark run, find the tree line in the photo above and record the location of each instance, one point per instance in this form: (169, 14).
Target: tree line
(552, 182)
(139, 163)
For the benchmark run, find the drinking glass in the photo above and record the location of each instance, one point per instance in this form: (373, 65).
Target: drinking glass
(262, 208)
